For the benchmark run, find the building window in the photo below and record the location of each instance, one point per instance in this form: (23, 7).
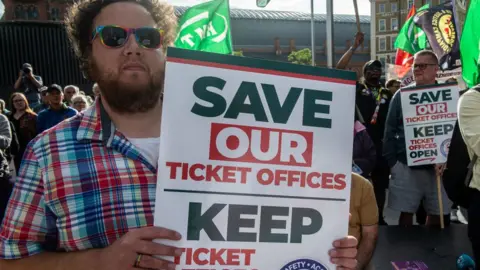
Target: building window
(393, 7)
(382, 25)
(382, 59)
(381, 8)
(382, 44)
(32, 12)
(394, 24)
(54, 14)
(20, 13)
(392, 42)
(410, 3)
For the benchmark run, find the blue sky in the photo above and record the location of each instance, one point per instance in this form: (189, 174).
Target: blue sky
(291, 5)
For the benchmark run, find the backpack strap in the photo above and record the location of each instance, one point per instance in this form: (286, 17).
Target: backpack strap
(468, 178)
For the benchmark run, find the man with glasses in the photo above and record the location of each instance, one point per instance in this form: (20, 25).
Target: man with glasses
(410, 185)
(87, 186)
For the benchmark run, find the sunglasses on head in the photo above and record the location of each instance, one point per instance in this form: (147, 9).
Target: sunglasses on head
(114, 36)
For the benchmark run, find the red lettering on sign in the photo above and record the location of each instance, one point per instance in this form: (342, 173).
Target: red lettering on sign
(260, 145)
(433, 108)
(215, 256)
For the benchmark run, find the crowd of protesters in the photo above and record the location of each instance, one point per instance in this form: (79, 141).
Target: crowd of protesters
(30, 110)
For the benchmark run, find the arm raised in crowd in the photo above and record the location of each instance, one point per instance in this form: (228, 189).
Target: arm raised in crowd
(18, 82)
(391, 130)
(343, 62)
(469, 119)
(5, 132)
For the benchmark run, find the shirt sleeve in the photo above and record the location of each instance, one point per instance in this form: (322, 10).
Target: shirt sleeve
(40, 80)
(469, 119)
(391, 129)
(368, 208)
(24, 229)
(5, 132)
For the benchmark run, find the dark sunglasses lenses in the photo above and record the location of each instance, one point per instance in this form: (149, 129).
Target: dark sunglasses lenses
(148, 37)
(113, 36)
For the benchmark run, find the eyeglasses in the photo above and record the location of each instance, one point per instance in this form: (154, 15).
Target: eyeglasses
(113, 36)
(18, 101)
(422, 66)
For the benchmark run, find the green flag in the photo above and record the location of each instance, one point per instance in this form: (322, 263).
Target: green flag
(470, 45)
(206, 27)
(411, 38)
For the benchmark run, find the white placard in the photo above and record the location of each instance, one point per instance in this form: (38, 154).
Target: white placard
(255, 161)
(429, 116)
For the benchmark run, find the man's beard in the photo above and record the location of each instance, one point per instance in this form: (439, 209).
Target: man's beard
(131, 98)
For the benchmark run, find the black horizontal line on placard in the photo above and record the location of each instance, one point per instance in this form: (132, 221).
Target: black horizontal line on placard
(430, 123)
(252, 195)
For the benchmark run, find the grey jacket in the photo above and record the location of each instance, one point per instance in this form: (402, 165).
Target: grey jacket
(394, 138)
(5, 133)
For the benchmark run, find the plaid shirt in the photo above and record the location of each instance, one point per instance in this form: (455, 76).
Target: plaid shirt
(82, 185)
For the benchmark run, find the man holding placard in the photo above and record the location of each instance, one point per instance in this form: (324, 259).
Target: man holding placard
(87, 186)
(419, 126)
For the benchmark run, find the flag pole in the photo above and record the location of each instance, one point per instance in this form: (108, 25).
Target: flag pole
(330, 44)
(357, 17)
(312, 30)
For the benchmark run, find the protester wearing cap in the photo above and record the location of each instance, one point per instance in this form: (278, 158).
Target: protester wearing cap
(57, 110)
(29, 84)
(372, 101)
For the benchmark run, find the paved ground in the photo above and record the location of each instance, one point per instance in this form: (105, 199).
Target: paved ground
(391, 216)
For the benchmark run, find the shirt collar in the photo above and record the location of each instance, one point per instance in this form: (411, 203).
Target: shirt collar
(96, 125)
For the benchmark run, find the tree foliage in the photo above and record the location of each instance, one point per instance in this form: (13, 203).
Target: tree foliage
(302, 57)
(238, 53)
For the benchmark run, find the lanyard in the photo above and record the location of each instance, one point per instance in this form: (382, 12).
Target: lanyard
(378, 101)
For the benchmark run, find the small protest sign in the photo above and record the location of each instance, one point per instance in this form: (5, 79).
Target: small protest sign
(253, 169)
(429, 116)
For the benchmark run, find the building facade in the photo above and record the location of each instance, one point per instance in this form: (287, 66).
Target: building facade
(262, 34)
(388, 17)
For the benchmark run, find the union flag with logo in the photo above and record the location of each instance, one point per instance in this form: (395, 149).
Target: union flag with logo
(439, 25)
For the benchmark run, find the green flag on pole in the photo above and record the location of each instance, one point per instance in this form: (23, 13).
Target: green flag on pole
(411, 38)
(470, 45)
(206, 27)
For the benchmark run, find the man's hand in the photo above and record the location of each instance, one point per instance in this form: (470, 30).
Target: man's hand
(344, 253)
(20, 74)
(359, 37)
(123, 253)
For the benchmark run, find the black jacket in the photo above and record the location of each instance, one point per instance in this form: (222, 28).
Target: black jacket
(394, 139)
(366, 104)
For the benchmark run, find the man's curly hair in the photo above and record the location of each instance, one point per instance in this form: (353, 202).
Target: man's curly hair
(80, 17)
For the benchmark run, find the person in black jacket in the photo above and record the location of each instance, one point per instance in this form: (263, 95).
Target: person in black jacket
(372, 102)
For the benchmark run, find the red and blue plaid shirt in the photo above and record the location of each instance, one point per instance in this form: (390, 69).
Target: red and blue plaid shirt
(82, 185)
